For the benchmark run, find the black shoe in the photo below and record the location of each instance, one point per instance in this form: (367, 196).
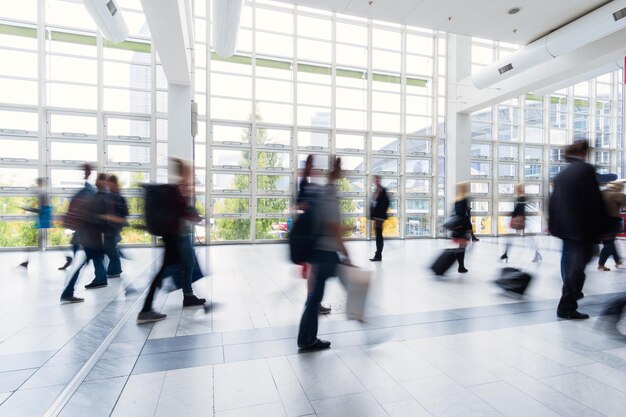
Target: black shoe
(72, 299)
(463, 270)
(475, 239)
(24, 264)
(94, 285)
(504, 258)
(571, 314)
(580, 296)
(149, 317)
(376, 259)
(192, 301)
(68, 262)
(324, 309)
(318, 345)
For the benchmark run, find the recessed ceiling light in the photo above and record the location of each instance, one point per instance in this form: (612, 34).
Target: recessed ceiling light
(514, 10)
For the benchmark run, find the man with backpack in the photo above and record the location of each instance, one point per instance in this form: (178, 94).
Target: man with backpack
(76, 211)
(90, 226)
(168, 209)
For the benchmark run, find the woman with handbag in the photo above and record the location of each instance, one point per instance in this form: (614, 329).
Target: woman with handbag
(461, 235)
(518, 222)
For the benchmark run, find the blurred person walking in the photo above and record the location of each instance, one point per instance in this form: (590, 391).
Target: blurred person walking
(308, 194)
(185, 237)
(614, 200)
(378, 214)
(167, 207)
(117, 212)
(328, 244)
(76, 210)
(462, 212)
(518, 223)
(89, 231)
(578, 217)
(44, 214)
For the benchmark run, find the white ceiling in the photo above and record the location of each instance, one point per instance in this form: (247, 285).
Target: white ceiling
(482, 18)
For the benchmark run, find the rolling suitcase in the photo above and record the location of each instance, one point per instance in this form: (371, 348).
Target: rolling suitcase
(513, 280)
(444, 261)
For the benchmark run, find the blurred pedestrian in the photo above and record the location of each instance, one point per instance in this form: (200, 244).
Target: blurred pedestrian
(308, 194)
(168, 209)
(578, 217)
(44, 214)
(378, 214)
(518, 222)
(462, 211)
(185, 237)
(614, 200)
(89, 232)
(328, 245)
(76, 210)
(117, 212)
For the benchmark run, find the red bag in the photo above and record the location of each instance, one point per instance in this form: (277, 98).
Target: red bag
(518, 223)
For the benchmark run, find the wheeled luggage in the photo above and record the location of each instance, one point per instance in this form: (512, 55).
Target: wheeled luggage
(513, 280)
(444, 261)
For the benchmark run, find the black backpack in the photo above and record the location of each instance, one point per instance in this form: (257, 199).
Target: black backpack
(303, 235)
(162, 209)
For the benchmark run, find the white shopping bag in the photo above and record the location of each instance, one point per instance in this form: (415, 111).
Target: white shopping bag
(356, 282)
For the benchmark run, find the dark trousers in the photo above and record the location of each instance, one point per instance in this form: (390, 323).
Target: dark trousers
(188, 261)
(608, 250)
(97, 257)
(171, 258)
(576, 255)
(325, 266)
(112, 252)
(380, 243)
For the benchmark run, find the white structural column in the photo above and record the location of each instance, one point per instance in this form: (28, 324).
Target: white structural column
(180, 141)
(459, 128)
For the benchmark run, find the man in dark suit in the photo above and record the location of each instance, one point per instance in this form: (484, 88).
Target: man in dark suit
(578, 217)
(378, 213)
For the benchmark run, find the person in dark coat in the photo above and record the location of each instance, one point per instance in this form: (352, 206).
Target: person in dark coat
(578, 217)
(378, 214)
(462, 235)
(308, 193)
(117, 212)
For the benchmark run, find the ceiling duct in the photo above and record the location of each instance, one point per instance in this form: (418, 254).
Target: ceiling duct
(226, 17)
(589, 28)
(108, 18)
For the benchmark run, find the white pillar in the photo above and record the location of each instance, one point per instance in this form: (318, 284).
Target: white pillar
(179, 139)
(459, 127)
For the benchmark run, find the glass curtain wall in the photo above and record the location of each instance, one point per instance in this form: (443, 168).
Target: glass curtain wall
(69, 97)
(523, 141)
(304, 81)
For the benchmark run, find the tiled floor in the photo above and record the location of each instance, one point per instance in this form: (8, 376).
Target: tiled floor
(430, 347)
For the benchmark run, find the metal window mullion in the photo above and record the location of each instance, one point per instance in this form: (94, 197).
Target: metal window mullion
(41, 102)
(495, 167)
(434, 147)
(100, 104)
(208, 177)
(400, 214)
(368, 116)
(294, 128)
(253, 136)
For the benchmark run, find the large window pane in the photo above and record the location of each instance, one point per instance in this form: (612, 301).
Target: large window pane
(73, 151)
(231, 183)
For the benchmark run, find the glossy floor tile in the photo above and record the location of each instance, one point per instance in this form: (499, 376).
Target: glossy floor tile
(454, 346)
